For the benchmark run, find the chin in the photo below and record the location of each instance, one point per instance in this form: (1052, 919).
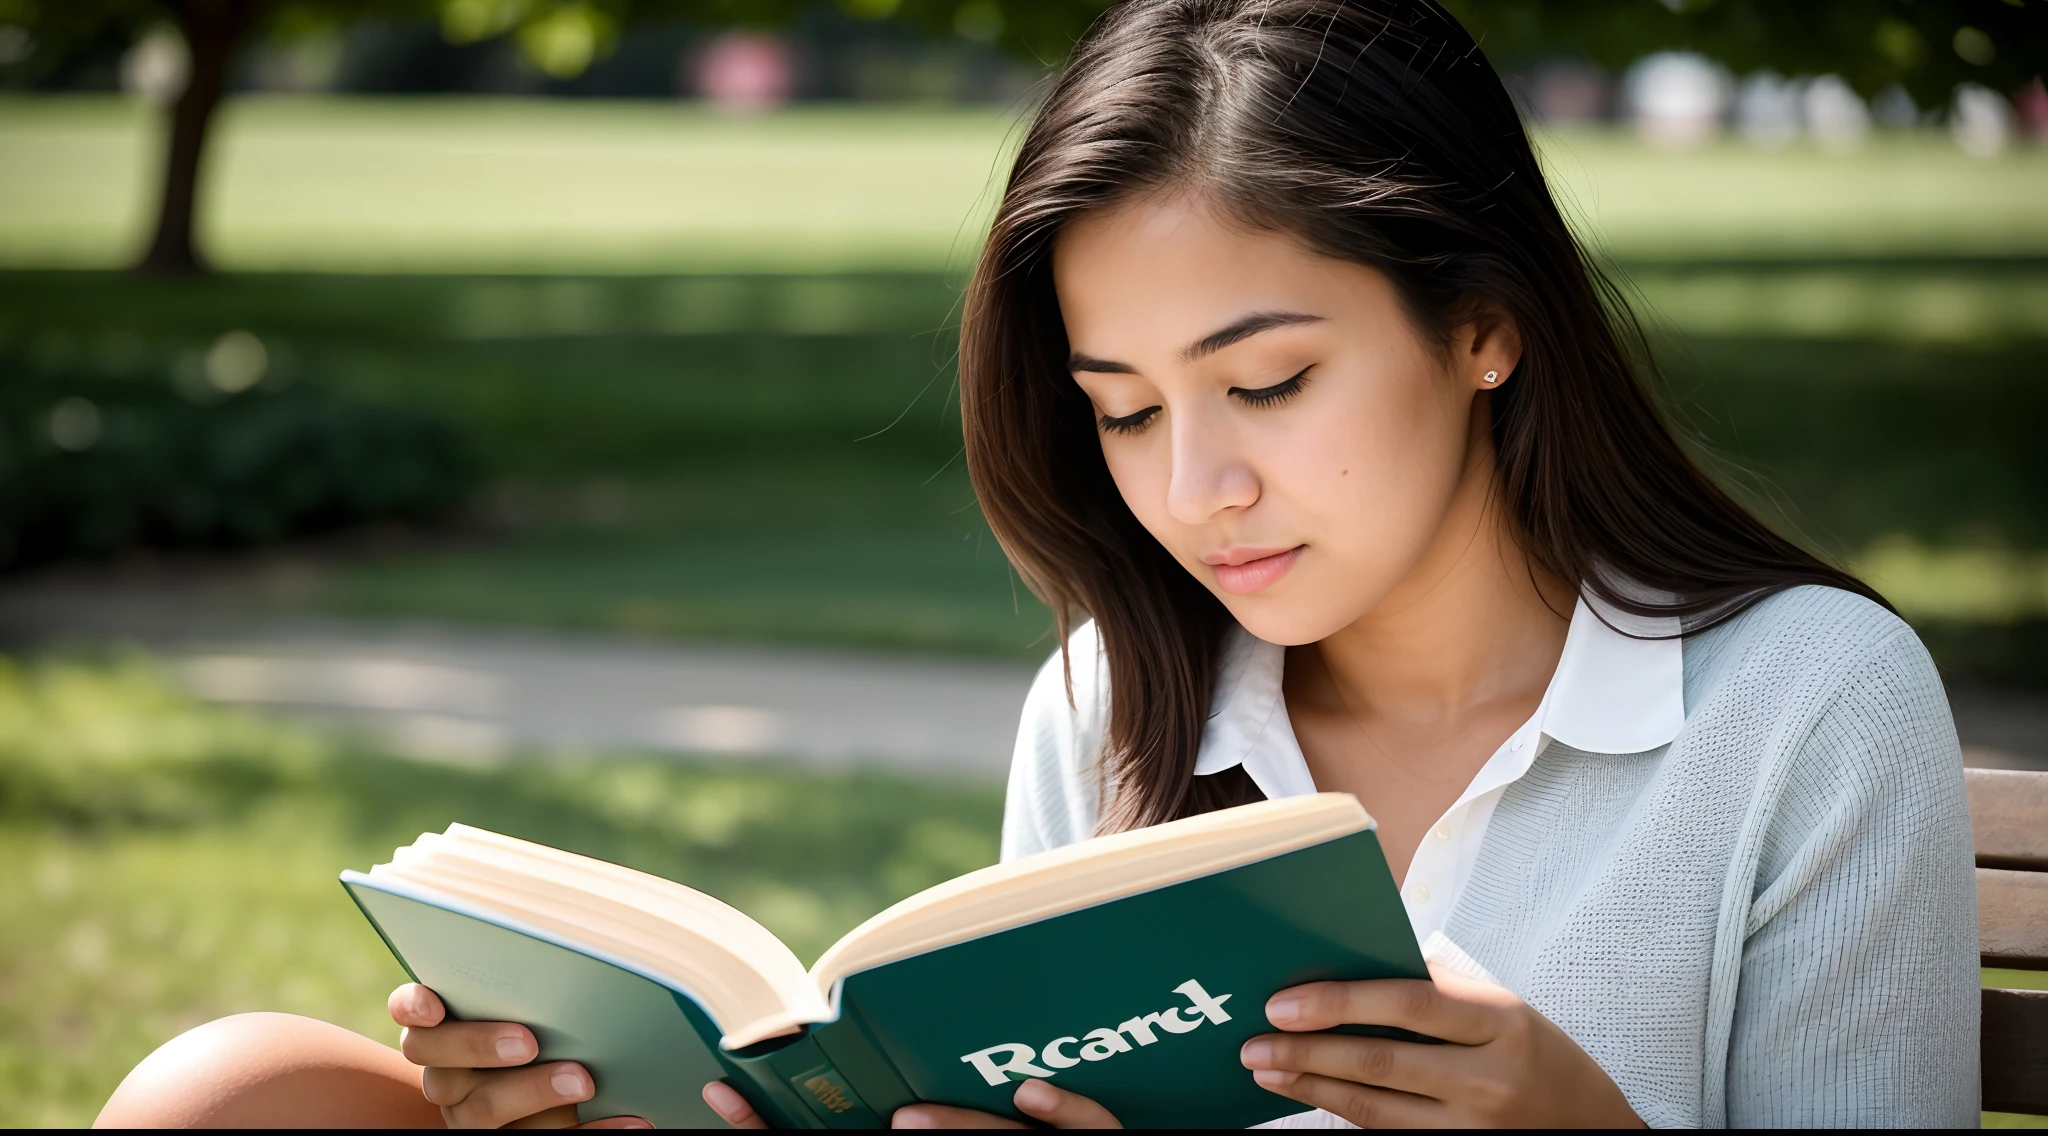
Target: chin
(1286, 621)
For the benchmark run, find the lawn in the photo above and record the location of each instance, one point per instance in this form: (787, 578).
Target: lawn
(380, 185)
(170, 863)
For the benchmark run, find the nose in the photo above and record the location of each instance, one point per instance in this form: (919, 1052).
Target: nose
(1209, 474)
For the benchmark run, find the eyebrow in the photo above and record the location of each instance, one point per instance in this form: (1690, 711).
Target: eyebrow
(1237, 330)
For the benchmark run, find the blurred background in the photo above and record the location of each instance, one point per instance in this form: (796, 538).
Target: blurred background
(540, 413)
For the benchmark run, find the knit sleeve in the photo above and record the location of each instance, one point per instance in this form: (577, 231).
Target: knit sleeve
(1053, 794)
(1857, 1003)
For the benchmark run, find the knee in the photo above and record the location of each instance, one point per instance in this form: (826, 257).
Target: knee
(269, 1070)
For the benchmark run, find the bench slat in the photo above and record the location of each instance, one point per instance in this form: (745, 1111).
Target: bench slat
(2016, 1051)
(2012, 918)
(2007, 807)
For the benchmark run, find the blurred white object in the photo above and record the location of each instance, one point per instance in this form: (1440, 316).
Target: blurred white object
(1981, 121)
(1677, 98)
(157, 66)
(1569, 91)
(746, 72)
(1767, 110)
(1836, 115)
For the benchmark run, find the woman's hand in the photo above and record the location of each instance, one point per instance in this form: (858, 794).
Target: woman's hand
(1506, 1066)
(478, 1072)
(1035, 1099)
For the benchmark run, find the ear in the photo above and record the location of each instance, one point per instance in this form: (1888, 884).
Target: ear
(1488, 348)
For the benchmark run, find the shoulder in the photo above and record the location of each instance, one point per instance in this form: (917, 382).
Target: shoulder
(1054, 793)
(1810, 648)
(1841, 703)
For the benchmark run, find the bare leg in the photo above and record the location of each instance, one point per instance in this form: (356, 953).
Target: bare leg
(271, 1071)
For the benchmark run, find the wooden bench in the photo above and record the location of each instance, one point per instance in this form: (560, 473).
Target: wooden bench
(2009, 811)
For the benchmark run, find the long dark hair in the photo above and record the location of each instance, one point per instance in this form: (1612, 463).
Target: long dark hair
(1377, 132)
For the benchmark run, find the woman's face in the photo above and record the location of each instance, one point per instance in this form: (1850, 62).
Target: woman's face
(1271, 416)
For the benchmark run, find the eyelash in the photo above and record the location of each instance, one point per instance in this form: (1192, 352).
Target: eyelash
(1264, 396)
(1275, 394)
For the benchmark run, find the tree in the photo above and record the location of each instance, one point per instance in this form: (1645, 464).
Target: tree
(1925, 46)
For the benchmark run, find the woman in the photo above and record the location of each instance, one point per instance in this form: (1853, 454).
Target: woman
(1282, 367)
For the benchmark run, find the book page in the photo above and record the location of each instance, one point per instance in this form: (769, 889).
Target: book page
(745, 978)
(1088, 873)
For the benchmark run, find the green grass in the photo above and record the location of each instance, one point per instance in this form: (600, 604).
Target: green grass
(170, 863)
(460, 185)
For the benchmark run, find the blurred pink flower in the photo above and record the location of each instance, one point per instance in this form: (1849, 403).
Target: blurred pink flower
(745, 72)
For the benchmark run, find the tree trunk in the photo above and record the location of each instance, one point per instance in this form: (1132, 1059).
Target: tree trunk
(213, 31)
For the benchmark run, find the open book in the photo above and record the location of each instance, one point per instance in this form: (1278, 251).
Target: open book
(1129, 968)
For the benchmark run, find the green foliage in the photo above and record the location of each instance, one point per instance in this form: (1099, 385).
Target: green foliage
(183, 452)
(1927, 46)
(170, 863)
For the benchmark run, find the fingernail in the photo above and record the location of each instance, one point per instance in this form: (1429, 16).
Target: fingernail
(1281, 1011)
(512, 1048)
(1275, 1078)
(1036, 1094)
(636, 1122)
(913, 1117)
(725, 1101)
(570, 1083)
(1256, 1052)
(417, 1001)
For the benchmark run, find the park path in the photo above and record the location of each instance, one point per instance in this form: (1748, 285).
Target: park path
(475, 694)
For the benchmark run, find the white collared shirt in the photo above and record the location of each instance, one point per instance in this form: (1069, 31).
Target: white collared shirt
(1611, 693)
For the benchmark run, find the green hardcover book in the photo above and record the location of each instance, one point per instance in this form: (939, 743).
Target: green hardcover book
(1128, 968)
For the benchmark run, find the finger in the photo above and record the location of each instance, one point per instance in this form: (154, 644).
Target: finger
(946, 1116)
(733, 1108)
(415, 1005)
(1060, 1108)
(449, 1087)
(1406, 1003)
(1407, 1066)
(503, 1097)
(469, 1045)
(617, 1122)
(1363, 1105)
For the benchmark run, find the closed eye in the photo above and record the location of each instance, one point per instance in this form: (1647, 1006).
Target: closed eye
(1275, 394)
(1129, 423)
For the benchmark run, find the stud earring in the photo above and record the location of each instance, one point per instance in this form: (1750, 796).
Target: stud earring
(1493, 376)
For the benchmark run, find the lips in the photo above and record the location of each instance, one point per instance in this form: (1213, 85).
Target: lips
(1255, 574)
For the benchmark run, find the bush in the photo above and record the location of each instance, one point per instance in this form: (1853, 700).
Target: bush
(93, 464)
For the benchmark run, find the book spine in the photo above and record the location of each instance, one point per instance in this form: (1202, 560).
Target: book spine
(807, 1086)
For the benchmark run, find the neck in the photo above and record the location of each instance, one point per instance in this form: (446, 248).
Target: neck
(1471, 626)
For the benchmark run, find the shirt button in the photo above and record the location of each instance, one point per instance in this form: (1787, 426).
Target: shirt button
(1419, 894)
(1442, 834)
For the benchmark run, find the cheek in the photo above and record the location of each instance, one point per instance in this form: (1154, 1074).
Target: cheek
(1370, 480)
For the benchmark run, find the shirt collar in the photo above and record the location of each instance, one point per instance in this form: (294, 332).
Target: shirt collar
(1611, 693)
